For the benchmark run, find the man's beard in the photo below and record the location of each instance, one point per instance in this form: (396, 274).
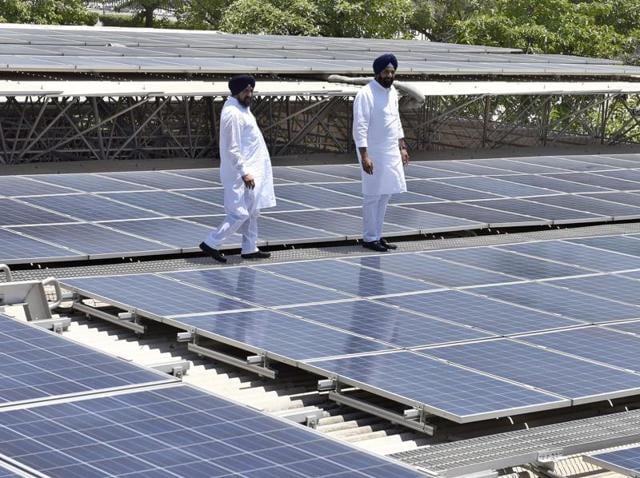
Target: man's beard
(247, 101)
(386, 82)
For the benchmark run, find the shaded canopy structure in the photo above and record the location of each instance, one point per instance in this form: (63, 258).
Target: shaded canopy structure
(71, 93)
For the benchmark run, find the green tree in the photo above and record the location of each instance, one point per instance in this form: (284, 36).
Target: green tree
(202, 14)
(280, 17)
(52, 12)
(146, 8)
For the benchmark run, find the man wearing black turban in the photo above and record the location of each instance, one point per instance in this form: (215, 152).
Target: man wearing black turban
(379, 138)
(245, 172)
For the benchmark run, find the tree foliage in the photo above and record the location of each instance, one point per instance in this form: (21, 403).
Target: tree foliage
(51, 12)
(281, 17)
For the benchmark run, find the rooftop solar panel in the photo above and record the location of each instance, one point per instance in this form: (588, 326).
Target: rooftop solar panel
(577, 255)
(316, 197)
(422, 170)
(177, 233)
(307, 176)
(94, 240)
(465, 167)
(11, 186)
(447, 191)
(256, 286)
(433, 270)
(90, 208)
(579, 380)
(511, 165)
(630, 199)
(558, 215)
(355, 189)
(594, 343)
(16, 248)
(167, 203)
(37, 364)
(626, 174)
(345, 171)
(594, 206)
(498, 186)
(492, 217)
(176, 431)
(392, 325)
(565, 302)
(623, 244)
(480, 312)
(598, 180)
(347, 278)
(559, 162)
(625, 462)
(516, 265)
(610, 286)
(153, 295)
(16, 213)
(160, 179)
(261, 330)
(458, 394)
(205, 174)
(556, 183)
(92, 183)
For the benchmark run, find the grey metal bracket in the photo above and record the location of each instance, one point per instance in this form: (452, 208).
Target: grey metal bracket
(7, 271)
(261, 370)
(420, 425)
(100, 314)
(177, 368)
(57, 324)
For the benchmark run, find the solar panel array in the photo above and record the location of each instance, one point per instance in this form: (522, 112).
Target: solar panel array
(467, 333)
(142, 423)
(625, 461)
(93, 49)
(60, 217)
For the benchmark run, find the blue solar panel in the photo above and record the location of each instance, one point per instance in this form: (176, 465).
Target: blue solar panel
(347, 171)
(6, 473)
(480, 312)
(554, 184)
(498, 186)
(91, 183)
(94, 240)
(598, 180)
(16, 213)
(316, 197)
(446, 191)
(478, 213)
(212, 195)
(458, 394)
(303, 175)
(205, 174)
(633, 327)
(595, 206)
(389, 324)
(603, 161)
(424, 171)
(90, 208)
(512, 165)
(22, 186)
(433, 270)
(560, 163)
(411, 218)
(167, 203)
(175, 232)
(271, 230)
(176, 431)
(626, 462)
(622, 244)
(508, 263)
(628, 174)
(556, 300)
(153, 294)
(577, 255)
(558, 215)
(348, 278)
(615, 287)
(631, 199)
(37, 364)
(160, 179)
(256, 286)
(355, 189)
(15, 248)
(579, 380)
(280, 334)
(594, 343)
(475, 168)
(331, 221)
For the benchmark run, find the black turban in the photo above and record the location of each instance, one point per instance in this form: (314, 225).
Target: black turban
(383, 61)
(239, 82)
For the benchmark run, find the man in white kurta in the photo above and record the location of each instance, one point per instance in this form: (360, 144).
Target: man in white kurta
(379, 138)
(245, 172)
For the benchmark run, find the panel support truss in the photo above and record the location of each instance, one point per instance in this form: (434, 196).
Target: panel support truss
(44, 128)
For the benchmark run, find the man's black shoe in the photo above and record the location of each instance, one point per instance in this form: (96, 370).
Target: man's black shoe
(374, 246)
(256, 255)
(215, 253)
(388, 245)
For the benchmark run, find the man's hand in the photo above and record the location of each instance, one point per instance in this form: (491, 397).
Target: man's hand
(405, 156)
(367, 165)
(249, 182)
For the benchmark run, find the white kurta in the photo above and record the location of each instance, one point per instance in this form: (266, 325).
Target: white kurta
(377, 127)
(243, 151)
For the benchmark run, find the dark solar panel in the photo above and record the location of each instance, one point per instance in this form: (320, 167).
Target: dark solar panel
(626, 461)
(16, 213)
(92, 183)
(167, 203)
(176, 431)
(16, 248)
